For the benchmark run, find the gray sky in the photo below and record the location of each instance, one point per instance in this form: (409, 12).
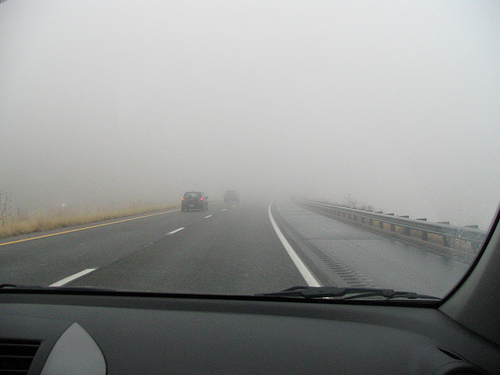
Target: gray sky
(394, 103)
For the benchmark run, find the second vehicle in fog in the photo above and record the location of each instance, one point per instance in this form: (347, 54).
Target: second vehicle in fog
(231, 196)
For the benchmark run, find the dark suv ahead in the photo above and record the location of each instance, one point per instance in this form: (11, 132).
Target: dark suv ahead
(231, 196)
(193, 200)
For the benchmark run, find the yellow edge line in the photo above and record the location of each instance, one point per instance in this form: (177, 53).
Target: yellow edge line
(90, 227)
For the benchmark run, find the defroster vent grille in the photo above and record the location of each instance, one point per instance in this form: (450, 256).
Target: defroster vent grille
(16, 355)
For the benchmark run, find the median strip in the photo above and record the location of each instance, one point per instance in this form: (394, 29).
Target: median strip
(72, 277)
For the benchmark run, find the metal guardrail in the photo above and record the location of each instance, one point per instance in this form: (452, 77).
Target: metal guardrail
(471, 235)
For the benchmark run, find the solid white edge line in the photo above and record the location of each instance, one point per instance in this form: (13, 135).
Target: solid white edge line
(304, 271)
(175, 231)
(206, 217)
(73, 277)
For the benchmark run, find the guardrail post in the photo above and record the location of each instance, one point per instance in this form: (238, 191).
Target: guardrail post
(474, 245)
(425, 235)
(446, 241)
(406, 230)
(393, 227)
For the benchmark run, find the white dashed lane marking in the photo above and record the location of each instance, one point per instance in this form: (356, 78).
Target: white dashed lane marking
(175, 231)
(206, 217)
(73, 277)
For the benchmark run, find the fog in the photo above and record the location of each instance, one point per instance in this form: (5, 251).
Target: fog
(392, 104)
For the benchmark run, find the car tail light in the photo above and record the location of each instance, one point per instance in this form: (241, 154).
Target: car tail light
(182, 198)
(201, 198)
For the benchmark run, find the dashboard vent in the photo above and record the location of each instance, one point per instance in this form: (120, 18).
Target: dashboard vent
(16, 355)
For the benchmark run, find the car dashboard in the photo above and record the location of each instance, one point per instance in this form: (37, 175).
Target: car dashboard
(129, 334)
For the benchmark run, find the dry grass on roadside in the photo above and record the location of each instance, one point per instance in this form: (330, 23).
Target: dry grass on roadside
(63, 220)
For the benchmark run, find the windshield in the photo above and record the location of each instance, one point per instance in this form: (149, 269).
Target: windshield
(346, 144)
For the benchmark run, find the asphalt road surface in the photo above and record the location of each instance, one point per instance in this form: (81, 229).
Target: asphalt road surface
(233, 248)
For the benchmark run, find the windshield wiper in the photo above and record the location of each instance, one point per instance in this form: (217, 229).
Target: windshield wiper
(346, 293)
(54, 288)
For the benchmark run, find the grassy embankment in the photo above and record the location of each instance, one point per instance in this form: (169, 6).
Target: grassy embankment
(56, 220)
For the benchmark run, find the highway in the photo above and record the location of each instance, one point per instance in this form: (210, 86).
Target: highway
(232, 248)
